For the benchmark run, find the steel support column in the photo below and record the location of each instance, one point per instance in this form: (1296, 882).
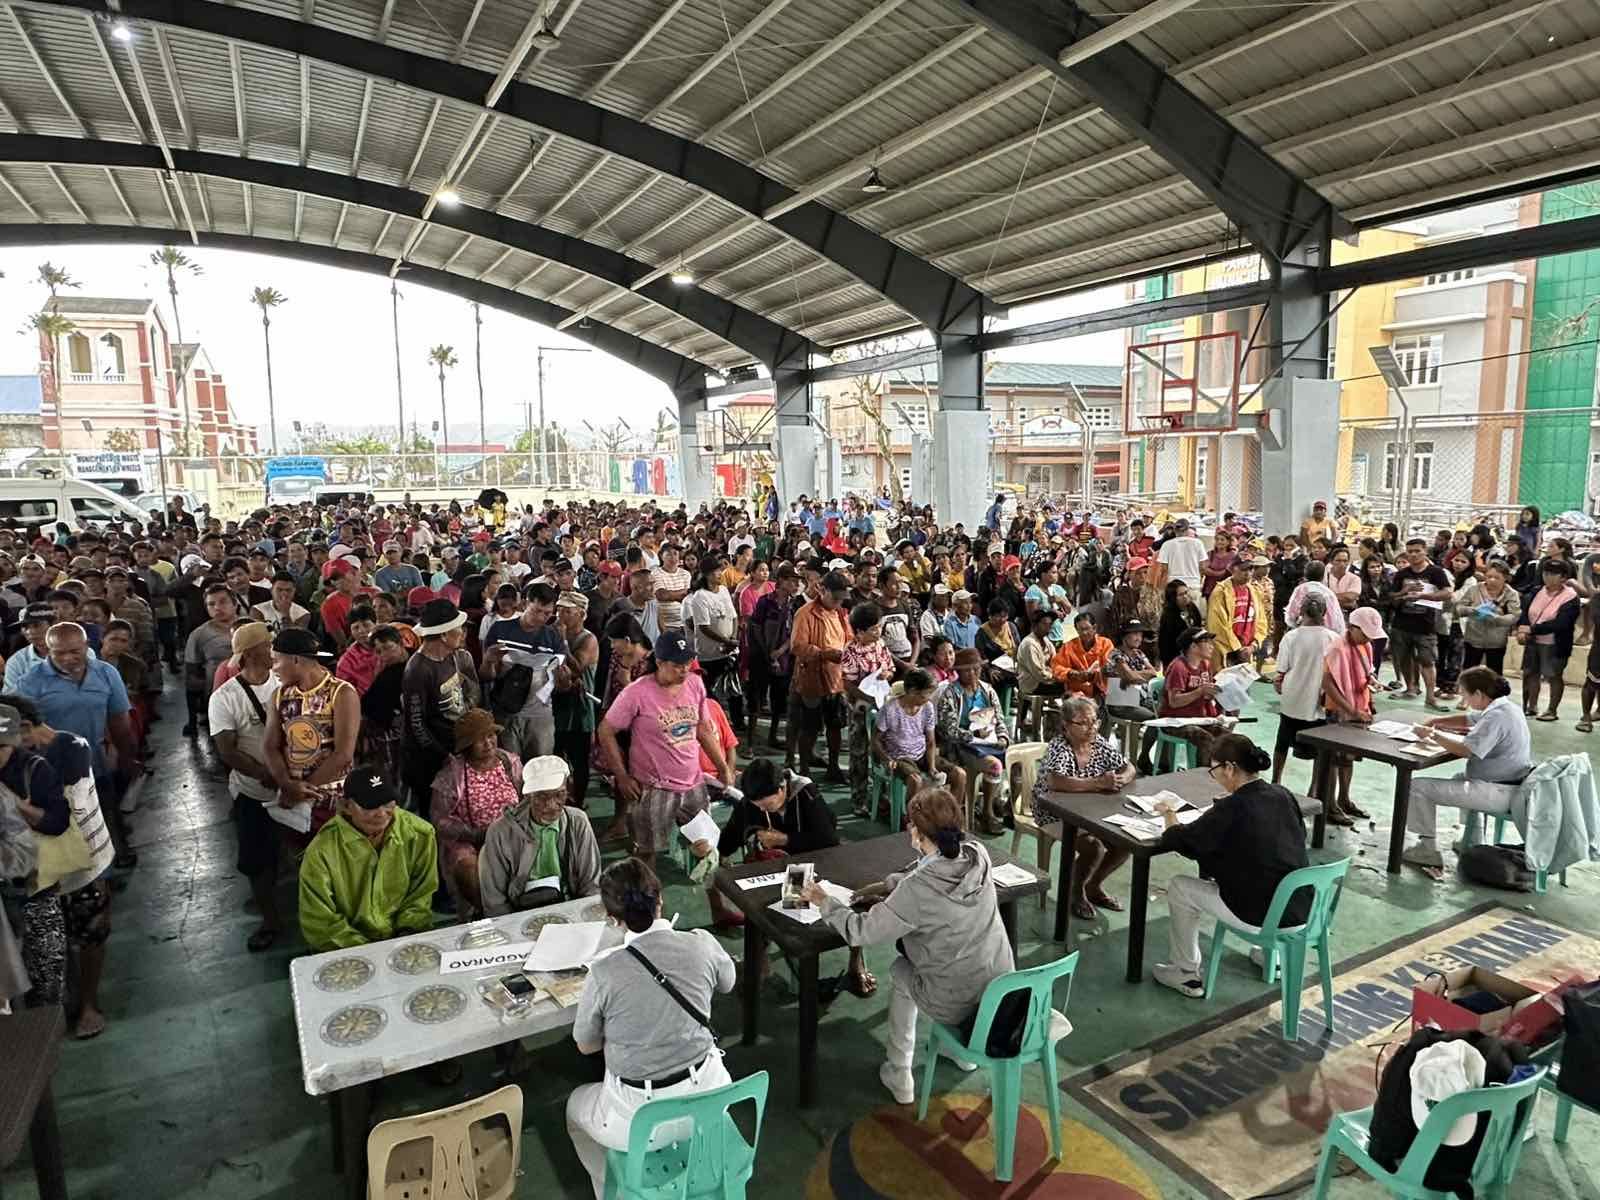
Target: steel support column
(694, 465)
(795, 439)
(961, 459)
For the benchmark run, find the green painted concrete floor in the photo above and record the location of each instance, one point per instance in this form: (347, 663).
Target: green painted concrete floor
(195, 1088)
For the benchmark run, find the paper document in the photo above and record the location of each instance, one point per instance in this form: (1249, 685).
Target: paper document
(702, 827)
(1011, 875)
(1183, 722)
(1004, 663)
(1138, 827)
(1148, 803)
(809, 915)
(837, 890)
(543, 664)
(565, 947)
(750, 883)
(876, 688)
(1400, 731)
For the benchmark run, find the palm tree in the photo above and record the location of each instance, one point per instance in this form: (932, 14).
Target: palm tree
(443, 357)
(51, 327)
(266, 298)
(55, 278)
(172, 260)
(399, 387)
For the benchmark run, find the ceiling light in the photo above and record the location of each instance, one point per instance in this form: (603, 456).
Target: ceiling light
(874, 183)
(681, 275)
(121, 31)
(545, 38)
(448, 196)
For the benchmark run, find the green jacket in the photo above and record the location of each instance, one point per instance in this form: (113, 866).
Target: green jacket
(351, 894)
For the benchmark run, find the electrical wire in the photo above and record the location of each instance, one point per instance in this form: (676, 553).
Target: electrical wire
(1022, 175)
(1468, 362)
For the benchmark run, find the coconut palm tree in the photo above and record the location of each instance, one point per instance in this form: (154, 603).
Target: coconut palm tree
(55, 278)
(443, 357)
(50, 328)
(266, 298)
(477, 357)
(173, 261)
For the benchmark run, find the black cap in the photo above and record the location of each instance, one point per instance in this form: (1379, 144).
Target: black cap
(38, 612)
(673, 647)
(368, 788)
(1190, 636)
(834, 581)
(301, 642)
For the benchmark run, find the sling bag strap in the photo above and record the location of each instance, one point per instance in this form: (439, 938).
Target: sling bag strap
(666, 984)
(255, 701)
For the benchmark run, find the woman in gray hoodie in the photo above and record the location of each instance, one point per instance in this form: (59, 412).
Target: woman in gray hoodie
(943, 914)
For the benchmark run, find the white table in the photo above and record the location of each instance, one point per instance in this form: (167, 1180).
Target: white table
(377, 1010)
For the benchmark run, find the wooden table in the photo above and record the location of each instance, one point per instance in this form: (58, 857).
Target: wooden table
(852, 865)
(30, 1046)
(376, 1010)
(1087, 811)
(1357, 741)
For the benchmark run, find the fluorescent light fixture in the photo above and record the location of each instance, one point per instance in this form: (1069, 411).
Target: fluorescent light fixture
(874, 184)
(681, 275)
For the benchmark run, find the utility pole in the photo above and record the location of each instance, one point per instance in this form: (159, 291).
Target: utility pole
(399, 386)
(544, 457)
(477, 359)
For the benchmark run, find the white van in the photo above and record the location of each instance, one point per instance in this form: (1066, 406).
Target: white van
(75, 501)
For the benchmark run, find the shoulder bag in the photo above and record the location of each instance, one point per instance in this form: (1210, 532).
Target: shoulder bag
(678, 997)
(62, 854)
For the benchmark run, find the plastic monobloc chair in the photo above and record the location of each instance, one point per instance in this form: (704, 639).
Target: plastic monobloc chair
(426, 1154)
(1025, 757)
(1349, 1134)
(1005, 1074)
(1289, 946)
(879, 776)
(703, 1155)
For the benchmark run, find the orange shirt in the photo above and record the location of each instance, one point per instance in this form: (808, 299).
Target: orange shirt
(816, 630)
(1075, 656)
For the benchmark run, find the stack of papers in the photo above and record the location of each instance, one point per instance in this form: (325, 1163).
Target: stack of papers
(565, 947)
(1011, 875)
(1147, 804)
(810, 914)
(1139, 827)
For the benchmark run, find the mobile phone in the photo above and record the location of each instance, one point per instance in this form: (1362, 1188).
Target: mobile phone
(518, 986)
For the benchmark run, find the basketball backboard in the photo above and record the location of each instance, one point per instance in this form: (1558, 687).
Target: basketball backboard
(1183, 385)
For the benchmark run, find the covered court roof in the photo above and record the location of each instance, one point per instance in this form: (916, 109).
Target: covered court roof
(568, 158)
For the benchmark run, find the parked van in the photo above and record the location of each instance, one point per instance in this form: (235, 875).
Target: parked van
(75, 501)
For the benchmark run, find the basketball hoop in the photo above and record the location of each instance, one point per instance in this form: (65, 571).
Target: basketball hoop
(1183, 385)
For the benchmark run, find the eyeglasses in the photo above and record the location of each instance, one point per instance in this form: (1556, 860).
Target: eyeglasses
(1212, 771)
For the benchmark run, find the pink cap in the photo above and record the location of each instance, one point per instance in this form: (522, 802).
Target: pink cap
(1369, 622)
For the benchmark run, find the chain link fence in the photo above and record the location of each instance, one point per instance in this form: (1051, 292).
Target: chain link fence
(1443, 469)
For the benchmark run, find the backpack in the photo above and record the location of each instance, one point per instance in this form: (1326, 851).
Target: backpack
(1503, 867)
(510, 690)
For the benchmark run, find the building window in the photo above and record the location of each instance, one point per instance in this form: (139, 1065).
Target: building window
(80, 359)
(1421, 467)
(1420, 356)
(1450, 276)
(1202, 459)
(109, 347)
(1099, 417)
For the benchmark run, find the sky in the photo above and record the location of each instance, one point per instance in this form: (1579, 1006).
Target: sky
(333, 347)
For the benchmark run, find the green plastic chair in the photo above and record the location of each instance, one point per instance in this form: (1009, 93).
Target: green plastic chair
(712, 1160)
(1290, 945)
(879, 776)
(1005, 1074)
(1564, 1104)
(1349, 1134)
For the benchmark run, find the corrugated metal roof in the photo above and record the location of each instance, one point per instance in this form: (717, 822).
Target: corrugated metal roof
(1033, 190)
(1005, 374)
(21, 395)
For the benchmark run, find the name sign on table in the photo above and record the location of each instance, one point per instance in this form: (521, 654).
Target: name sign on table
(484, 958)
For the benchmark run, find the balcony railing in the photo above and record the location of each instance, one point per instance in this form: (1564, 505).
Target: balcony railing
(91, 377)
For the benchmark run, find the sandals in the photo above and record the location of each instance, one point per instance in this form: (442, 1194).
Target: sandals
(1083, 909)
(1585, 726)
(1109, 903)
(1545, 716)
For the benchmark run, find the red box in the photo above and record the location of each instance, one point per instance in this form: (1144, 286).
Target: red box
(1431, 1002)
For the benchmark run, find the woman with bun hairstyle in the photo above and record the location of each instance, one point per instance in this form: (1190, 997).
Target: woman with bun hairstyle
(942, 913)
(657, 1042)
(1245, 844)
(1492, 735)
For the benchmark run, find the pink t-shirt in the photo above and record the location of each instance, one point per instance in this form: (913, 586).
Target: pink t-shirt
(664, 746)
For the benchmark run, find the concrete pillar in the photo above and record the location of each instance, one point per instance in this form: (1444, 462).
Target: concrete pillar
(922, 468)
(694, 465)
(961, 441)
(795, 437)
(1297, 466)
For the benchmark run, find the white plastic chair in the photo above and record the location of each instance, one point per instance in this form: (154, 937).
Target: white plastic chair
(468, 1150)
(1025, 757)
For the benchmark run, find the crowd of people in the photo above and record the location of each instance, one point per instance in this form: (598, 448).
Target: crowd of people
(417, 704)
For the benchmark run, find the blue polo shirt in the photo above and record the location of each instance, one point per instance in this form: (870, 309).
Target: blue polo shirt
(84, 707)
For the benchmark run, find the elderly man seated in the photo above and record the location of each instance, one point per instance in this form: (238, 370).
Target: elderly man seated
(371, 871)
(541, 850)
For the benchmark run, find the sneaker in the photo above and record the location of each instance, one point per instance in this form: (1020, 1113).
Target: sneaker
(898, 1081)
(1179, 979)
(1423, 854)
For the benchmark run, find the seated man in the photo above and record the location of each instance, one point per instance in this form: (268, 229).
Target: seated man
(371, 871)
(540, 851)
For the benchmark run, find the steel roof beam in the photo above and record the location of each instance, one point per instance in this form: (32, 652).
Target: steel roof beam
(751, 332)
(1274, 208)
(1534, 241)
(684, 376)
(933, 297)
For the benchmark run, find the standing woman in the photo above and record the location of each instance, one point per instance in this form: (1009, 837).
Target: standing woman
(1389, 544)
(1545, 630)
(1179, 612)
(657, 1039)
(1375, 595)
(944, 918)
(1488, 608)
(1530, 529)
(1458, 564)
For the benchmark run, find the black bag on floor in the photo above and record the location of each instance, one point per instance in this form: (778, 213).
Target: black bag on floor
(1580, 1052)
(1502, 867)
